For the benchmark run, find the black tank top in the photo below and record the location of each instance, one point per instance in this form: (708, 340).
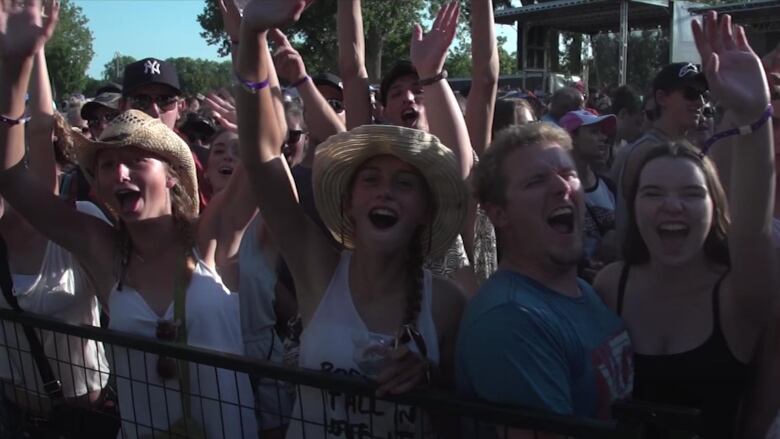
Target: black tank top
(709, 378)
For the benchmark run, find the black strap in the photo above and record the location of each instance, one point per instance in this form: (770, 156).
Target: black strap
(51, 385)
(622, 287)
(716, 303)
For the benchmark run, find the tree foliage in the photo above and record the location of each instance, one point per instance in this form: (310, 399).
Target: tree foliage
(648, 50)
(458, 63)
(200, 75)
(114, 70)
(387, 26)
(69, 51)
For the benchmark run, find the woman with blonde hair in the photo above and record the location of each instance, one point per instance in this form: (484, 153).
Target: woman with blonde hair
(390, 195)
(150, 269)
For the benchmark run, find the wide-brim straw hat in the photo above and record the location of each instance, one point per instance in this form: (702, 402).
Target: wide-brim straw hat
(339, 157)
(138, 129)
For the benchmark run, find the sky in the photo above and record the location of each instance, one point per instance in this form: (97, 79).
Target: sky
(160, 29)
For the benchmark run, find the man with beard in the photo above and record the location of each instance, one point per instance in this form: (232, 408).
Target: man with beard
(536, 335)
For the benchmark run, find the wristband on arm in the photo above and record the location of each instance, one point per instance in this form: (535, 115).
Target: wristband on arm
(251, 87)
(738, 131)
(13, 122)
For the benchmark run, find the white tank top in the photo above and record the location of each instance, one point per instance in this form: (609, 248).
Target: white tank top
(330, 342)
(257, 283)
(213, 322)
(64, 291)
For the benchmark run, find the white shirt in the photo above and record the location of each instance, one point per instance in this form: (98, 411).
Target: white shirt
(213, 322)
(61, 289)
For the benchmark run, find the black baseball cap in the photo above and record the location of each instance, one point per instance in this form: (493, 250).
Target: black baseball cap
(110, 87)
(400, 69)
(150, 71)
(677, 75)
(328, 79)
(107, 100)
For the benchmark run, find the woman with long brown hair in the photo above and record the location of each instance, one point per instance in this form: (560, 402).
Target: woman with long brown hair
(694, 289)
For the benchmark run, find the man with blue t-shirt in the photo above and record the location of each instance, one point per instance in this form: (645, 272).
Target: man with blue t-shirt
(535, 335)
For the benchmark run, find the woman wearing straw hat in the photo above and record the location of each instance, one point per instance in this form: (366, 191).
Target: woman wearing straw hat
(148, 269)
(390, 196)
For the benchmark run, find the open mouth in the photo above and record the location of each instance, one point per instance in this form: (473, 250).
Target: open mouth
(128, 199)
(562, 220)
(225, 170)
(382, 218)
(673, 233)
(410, 116)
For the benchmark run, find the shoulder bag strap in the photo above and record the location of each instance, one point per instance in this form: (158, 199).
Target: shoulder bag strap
(51, 385)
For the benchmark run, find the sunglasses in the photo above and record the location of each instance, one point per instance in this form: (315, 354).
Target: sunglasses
(105, 118)
(693, 93)
(336, 105)
(167, 330)
(144, 102)
(294, 136)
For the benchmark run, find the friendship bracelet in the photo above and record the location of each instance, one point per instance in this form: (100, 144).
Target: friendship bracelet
(741, 131)
(299, 82)
(435, 78)
(13, 122)
(251, 87)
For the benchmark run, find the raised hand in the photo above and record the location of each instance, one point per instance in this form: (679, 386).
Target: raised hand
(224, 112)
(429, 51)
(261, 15)
(231, 18)
(24, 29)
(288, 62)
(734, 72)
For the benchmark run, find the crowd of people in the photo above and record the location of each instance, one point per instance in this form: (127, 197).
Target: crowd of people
(558, 256)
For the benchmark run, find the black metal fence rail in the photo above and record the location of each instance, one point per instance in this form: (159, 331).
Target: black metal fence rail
(468, 418)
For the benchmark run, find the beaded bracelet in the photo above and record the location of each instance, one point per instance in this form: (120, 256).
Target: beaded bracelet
(738, 131)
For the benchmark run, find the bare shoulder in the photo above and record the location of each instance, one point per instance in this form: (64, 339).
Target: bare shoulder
(448, 302)
(606, 283)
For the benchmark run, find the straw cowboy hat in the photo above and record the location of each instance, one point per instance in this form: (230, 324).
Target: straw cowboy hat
(341, 155)
(136, 128)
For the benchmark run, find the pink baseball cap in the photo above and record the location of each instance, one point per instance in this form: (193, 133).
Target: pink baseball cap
(575, 119)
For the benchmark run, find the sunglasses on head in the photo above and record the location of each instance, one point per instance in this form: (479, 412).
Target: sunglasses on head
(144, 102)
(167, 367)
(336, 105)
(105, 118)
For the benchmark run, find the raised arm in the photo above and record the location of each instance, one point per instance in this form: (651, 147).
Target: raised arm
(737, 81)
(352, 63)
(41, 126)
(428, 52)
(306, 250)
(321, 120)
(481, 102)
(23, 32)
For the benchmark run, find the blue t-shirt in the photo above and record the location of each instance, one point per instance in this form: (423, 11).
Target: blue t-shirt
(547, 117)
(523, 344)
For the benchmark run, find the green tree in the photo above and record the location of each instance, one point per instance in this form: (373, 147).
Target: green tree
(69, 51)
(387, 27)
(91, 85)
(200, 75)
(114, 70)
(648, 50)
(458, 63)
